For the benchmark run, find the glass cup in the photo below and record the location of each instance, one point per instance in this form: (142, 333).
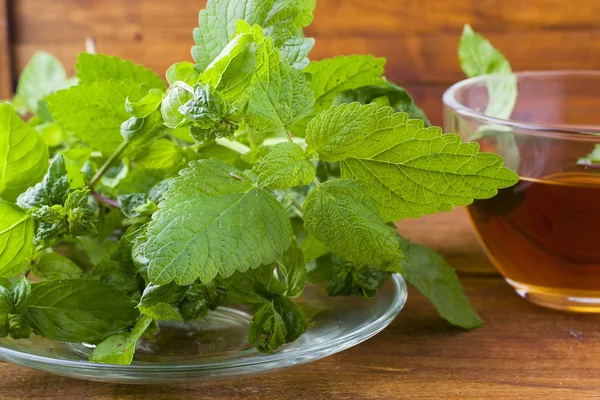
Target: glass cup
(543, 234)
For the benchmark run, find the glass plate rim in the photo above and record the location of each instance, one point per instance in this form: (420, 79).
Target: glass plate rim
(353, 338)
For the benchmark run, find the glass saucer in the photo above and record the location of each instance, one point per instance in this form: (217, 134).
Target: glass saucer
(216, 347)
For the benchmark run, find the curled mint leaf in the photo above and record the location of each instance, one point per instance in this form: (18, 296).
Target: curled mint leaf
(267, 329)
(183, 72)
(142, 132)
(210, 114)
(146, 105)
(52, 190)
(201, 298)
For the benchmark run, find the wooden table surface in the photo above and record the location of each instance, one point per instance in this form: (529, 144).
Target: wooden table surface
(524, 351)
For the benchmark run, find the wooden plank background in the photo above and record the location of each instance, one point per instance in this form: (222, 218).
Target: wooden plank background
(419, 38)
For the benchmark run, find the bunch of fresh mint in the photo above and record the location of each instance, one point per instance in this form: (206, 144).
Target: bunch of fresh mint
(127, 200)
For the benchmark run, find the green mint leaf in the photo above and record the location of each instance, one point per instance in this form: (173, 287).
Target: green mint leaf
(479, 57)
(162, 312)
(42, 75)
(54, 267)
(408, 169)
(94, 111)
(51, 190)
(232, 71)
(16, 236)
(265, 276)
(341, 214)
(332, 76)
(20, 294)
(52, 133)
(95, 251)
(282, 20)
(75, 159)
(23, 154)
(362, 280)
(155, 294)
(175, 97)
(76, 217)
(121, 275)
(435, 279)
(387, 94)
(146, 105)
(285, 167)
(78, 310)
(267, 329)
(99, 67)
(183, 72)
(293, 317)
(292, 271)
(212, 205)
(5, 309)
(136, 205)
(18, 327)
(162, 155)
(142, 132)
(296, 50)
(313, 249)
(281, 95)
(120, 348)
(210, 114)
(201, 298)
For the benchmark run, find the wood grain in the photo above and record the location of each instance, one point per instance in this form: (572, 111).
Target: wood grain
(419, 38)
(5, 52)
(524, 352)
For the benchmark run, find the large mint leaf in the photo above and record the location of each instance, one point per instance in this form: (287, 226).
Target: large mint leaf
(435, 279)
(53, 266)
(408, 169)
(332, 76)
(23, 154)
(16, 236)
(478, 57)
(342, 216)
(120, 348)
(283, 20)
(95, 111)
(95, 67)
(214, 221)
(285, 167)
(78, 310)
(42, 75)
(281, 95)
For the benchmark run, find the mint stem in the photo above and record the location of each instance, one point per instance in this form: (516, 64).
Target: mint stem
(115, 156)
(105, 200)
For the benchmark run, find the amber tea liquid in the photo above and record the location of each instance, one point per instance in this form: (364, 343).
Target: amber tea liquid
(544, 236)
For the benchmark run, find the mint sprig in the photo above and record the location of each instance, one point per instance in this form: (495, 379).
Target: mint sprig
(246, 175)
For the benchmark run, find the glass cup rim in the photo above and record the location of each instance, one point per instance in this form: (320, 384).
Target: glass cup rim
(563, 131)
